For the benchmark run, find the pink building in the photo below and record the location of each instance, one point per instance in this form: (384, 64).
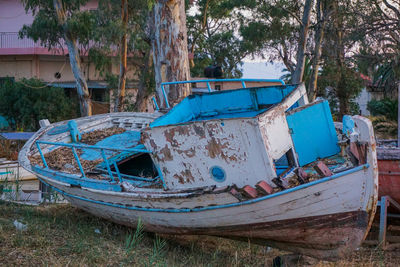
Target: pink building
(23, 58)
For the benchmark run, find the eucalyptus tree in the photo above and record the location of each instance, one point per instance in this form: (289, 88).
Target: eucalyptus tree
(59, 21)
(170, 50)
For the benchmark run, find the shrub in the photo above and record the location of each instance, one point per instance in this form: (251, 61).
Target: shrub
(385, 107)
(26, 102)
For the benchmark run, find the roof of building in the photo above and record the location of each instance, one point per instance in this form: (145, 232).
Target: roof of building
(91, 84)
(17, 135)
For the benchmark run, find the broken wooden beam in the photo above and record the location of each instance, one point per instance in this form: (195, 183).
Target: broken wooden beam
(322, 169)
(250, 192)
(279, 183)
(264, 188)
(302, 176)
(236, 194)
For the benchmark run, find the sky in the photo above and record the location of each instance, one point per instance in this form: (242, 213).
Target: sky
(262, 70)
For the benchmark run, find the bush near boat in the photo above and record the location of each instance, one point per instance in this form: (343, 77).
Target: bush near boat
(63, 235)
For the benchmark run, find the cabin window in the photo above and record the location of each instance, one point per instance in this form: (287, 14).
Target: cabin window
(140, 165)
(218, 174)
(284, 163)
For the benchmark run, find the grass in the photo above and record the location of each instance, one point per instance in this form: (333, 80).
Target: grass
(60, 235)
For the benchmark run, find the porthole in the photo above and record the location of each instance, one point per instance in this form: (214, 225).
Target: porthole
(218, 174)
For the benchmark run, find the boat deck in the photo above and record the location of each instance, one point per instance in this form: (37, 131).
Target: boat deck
(143, 173)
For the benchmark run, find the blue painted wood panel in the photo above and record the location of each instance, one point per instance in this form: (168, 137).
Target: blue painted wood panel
(224, 104)
(313, 133)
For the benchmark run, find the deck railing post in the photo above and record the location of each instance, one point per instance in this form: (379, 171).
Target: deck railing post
(155, 103)
(107, 164)
(78, 161)
(243, 84)
(208, 87)
(165, 96)
(41, 155)
(117, 170)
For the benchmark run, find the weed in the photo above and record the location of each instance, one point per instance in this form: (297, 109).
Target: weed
(132, 240)
(157, 257)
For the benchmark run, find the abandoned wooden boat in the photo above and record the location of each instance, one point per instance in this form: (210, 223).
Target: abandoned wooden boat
(259, 164)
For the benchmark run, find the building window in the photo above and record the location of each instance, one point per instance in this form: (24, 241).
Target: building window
(98, 95)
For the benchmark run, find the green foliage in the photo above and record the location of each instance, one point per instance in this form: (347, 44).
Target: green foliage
(109, 30)
(287, 78)
(387, 75)
(340, 85)
(28, 101)
(80, 23)
(385, 107)
(384, 128)
(273, 29)
(214, 39)
(136, 238)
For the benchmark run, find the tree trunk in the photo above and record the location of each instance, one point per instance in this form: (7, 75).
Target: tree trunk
(119, 100)
(143, 90)
(81, 85)
(319, 36)
(341, 90)
(170, 51)
(398, 114)
(300, 59)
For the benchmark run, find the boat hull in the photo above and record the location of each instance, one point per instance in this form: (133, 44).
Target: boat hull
(326, 218)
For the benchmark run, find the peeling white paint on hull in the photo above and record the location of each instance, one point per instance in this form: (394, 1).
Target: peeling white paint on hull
(334, 212)
(325, 218)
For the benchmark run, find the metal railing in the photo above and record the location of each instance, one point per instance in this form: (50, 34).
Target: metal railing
(12, 40)
(103, 154)
(207, 81)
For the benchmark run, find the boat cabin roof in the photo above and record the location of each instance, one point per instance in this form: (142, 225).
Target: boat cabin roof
(246, 102)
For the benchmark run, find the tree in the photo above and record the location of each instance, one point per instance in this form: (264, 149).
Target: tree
(214, 38)
(170, 51)
(300, 57)
(322, 14)
(123, 57)
(381, 24)
(339, 70)
(124, 26)
(280, 29)
(63, 20)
